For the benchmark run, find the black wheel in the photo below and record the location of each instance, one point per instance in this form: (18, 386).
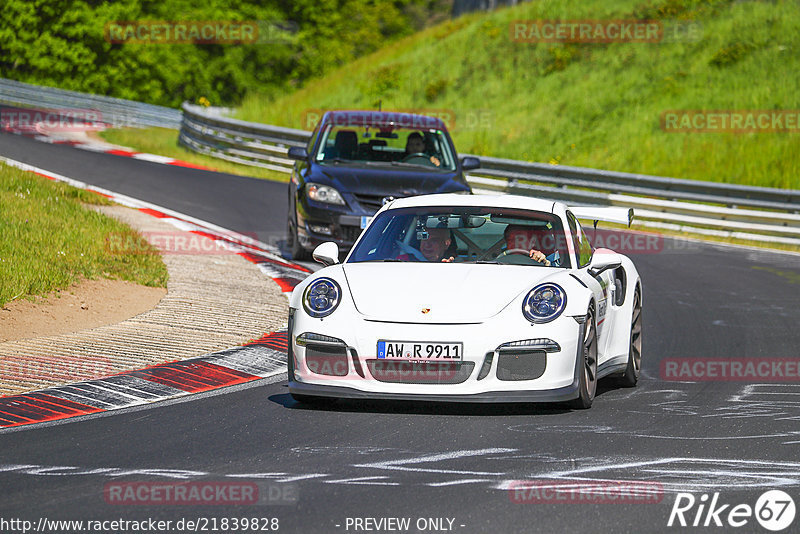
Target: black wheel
(293, 244)
(587, 377)
(634, 368)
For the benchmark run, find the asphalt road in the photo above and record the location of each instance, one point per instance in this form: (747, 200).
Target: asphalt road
(325, 469)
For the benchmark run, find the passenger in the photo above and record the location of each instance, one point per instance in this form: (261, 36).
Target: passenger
(439, 247)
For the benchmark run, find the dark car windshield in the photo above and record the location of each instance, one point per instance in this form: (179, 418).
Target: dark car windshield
(465, 234)
(386, 145)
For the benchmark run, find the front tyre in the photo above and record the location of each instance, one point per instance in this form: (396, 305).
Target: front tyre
(293, 243)
(634, 368)
(587, 372)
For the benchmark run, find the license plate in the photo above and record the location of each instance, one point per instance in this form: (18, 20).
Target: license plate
(365, 221)
(420, 351)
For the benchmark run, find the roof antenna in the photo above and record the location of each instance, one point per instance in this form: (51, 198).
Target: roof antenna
(379, 104)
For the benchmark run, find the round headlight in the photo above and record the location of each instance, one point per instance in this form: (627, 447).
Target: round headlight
(321, 297)
(544, 303)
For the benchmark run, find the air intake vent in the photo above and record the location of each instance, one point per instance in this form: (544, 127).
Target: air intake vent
(402, 372)
(326, 360)
(527, 365)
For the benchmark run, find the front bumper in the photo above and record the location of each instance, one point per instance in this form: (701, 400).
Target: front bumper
(355, 372)
(316, 226)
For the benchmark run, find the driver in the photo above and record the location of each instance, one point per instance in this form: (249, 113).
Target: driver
(415, 144)
(520, 237)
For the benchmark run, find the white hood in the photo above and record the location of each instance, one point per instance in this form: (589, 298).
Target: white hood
(454, 293)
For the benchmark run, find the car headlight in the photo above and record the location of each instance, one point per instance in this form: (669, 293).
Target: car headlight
(321, 297)
(324, 193)
(544, 303)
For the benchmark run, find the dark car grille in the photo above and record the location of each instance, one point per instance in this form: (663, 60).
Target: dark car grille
(370, 202)
(521, 366)
(350, 233)
(330, 361)
(403, 372)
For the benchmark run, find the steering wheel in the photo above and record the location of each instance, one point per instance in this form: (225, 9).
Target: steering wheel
(522, 252)
(410, 250)
(417, 157)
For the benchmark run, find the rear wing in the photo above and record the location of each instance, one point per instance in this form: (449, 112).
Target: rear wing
(614, 215)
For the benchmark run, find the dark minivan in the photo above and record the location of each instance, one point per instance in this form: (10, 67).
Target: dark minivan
(355, 162)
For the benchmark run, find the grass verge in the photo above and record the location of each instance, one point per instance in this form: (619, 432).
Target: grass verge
(49, 240)
(595, 105)
(164, 142)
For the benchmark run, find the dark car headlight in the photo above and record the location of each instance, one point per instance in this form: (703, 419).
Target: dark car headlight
(544, 303)
(324, 193)
(321, 297)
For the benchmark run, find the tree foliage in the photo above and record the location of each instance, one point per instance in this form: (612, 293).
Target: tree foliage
(62, 43)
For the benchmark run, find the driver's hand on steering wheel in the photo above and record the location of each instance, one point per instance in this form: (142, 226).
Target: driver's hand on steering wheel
(538, 255)
(436, 161)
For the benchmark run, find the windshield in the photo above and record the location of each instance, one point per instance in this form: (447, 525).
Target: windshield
(386, 145)
(465, 235)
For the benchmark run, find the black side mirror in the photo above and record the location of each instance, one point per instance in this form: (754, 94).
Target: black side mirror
(298, 153)
(469, 163)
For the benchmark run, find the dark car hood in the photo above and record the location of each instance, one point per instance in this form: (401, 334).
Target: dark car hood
(388, 181)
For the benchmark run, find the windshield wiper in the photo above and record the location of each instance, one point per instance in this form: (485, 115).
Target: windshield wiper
(407, 164)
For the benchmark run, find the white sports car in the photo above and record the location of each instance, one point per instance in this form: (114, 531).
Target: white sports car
(468, 298)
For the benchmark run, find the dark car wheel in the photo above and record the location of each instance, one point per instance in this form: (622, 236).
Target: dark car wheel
(634, 368)
(293, 244)
(587, 372)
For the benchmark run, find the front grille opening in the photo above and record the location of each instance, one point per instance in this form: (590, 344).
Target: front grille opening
(404, 372)
(350, 233)
(521, 366)
(487, 366)
(326, 360)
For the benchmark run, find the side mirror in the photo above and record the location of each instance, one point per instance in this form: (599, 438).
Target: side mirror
(469, 163)
(298, 153)
(327, 253)
(604, 261)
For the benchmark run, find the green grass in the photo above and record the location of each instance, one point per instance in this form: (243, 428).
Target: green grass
(592, 105)
(49, 240)
(164, 142)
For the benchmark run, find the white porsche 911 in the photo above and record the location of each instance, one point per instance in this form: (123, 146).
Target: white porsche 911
(468, 298)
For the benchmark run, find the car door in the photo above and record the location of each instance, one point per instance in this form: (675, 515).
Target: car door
(599, 285)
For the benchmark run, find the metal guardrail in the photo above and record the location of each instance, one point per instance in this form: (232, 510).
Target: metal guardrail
(115, 112)
(745, 212)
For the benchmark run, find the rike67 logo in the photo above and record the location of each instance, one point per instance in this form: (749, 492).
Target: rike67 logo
(774, 510)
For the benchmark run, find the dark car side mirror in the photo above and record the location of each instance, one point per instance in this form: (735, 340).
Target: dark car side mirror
(298, 153)
(469, 163)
